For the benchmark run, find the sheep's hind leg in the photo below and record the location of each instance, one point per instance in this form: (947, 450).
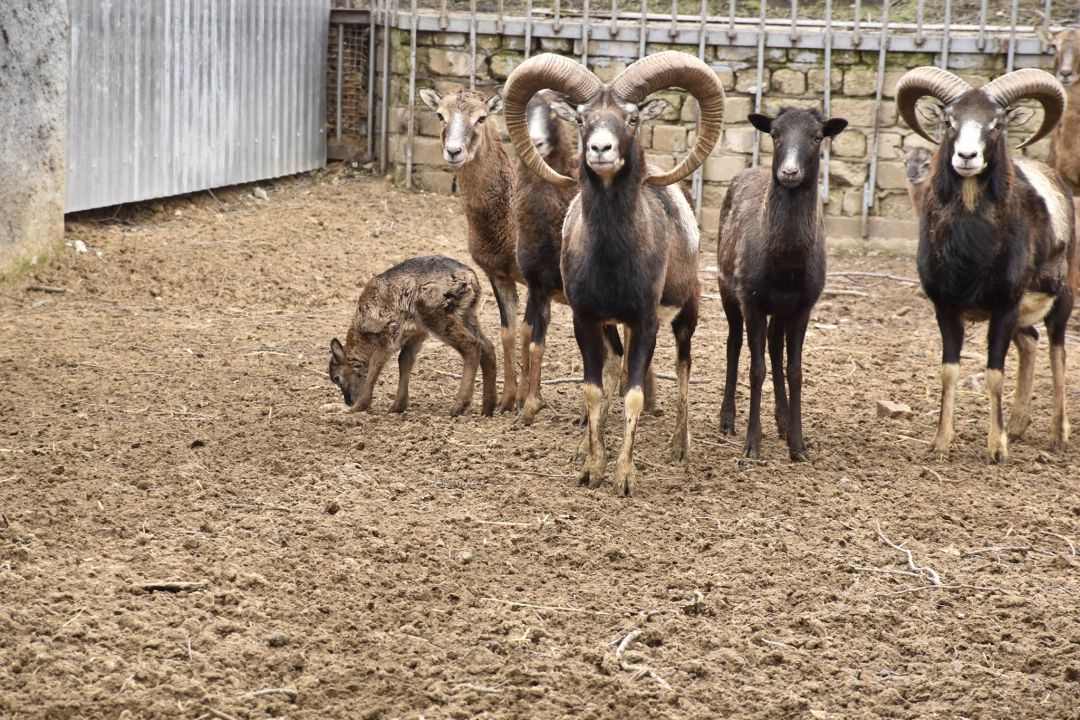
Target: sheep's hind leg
(1027, 342)
(1056, 322)
(458, 334)
(683, 326)
(639, 351)
(796, 334)
(534, 352)
(592, 452)
(756, 331)
(776, 357)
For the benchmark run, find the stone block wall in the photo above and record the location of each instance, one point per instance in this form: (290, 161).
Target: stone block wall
(791, 77)
(33, 114)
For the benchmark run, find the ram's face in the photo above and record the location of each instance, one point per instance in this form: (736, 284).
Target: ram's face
(609, 128)
(973, 127)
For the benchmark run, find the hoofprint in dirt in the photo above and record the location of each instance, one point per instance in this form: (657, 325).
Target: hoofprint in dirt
(168, 419)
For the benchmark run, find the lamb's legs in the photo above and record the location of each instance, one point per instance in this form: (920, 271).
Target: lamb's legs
(796, 334)
(776, 357)
(734, 348)
(457, 334)
(1027, 342)
(506, 297)
(590, 341)
(406, 358)
(375, 365)
(639, 350)
(952, 341)
(1002, 329)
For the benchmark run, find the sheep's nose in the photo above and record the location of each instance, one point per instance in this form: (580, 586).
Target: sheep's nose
(967, 155)
(789, 172)
(600, 148)
(1065, 75)
(452, 151)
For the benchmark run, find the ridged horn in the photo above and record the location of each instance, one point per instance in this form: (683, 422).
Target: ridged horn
(677, 69)
(922, 81)
(535, 74)
(1034, 84)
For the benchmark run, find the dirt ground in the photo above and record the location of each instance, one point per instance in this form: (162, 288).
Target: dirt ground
(168, 418)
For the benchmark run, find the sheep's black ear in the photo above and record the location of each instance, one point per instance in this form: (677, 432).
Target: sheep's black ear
(495, 104)
(652, 109)
(564, 110)
(761, 122)
(833, 127)
(337, 352)
(1018, 116)
(430, 98)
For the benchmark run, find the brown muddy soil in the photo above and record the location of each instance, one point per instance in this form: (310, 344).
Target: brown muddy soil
(168, 419)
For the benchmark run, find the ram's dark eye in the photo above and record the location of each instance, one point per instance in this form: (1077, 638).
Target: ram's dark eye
(440, 116)
(480, 120)
(632, 120)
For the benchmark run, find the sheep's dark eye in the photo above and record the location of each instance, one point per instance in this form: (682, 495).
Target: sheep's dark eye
(632, 120)
(480, 120)
(440, 116)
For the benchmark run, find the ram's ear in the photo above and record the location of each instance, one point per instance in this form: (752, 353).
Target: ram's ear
(1018, 116)
(761, 122)
(430, 98)
(565, 111)
(932, 111)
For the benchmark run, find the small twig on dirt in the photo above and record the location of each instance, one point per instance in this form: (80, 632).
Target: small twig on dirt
(174, 586)
(1072, 548)
(926, 572)
(881, 276)
(478, 688)
(939, 587)
(777, 643)
(265, 506)
(887, 571)
(1008, 548)
(638, 670)
(908, 437)
(574, 380)
(931, 471)
(852, 293)
(190, 654)
(563, 476)
(220, 715)
(288, 692)
(45, 288)
(504, 522)
(722, 442)
(560, 608)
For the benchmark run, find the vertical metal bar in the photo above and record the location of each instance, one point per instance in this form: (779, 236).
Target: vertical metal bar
(856, 32)
(1012, 38)
(585, 33)
(794, 21)
(731, 20)
(444, 16)
(528, 28)
(674, 29)
(614, 18)
(871, 183)
(698, 183)
(499, 17)
(384, 136)
(337, 83)
(557, 24)
(472, 44)
(1047, 8)
(760, 78)
(980, 41)
(643, 32)
(369, 151)
(412, 97)
(920, 36)
(827, 99)
(946, 35)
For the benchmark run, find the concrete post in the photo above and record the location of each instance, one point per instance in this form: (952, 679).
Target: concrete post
(33, 129)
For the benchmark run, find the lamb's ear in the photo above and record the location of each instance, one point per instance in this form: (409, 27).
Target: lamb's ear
(495, 104)
(651, 109)
(834, 126)
(337, 351)
(430, 98)
(761, 122)
(1047, 37)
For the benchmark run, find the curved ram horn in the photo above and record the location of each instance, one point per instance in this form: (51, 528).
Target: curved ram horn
(1033, 84)
(677, 69)
(535, 74)
(927, 80)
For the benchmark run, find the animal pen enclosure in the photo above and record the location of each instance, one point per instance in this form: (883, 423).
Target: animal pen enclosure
(768, 54)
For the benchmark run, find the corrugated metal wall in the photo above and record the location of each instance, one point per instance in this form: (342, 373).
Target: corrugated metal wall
(174, 96)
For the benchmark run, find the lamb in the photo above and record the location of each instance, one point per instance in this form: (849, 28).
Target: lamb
(771, 259)
(398, 310)
(917, 162)
(485, 177)
(996, 240)
(629, 242)
(1065, 140)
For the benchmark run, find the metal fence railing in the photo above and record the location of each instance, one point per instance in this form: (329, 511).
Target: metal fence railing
(946, 30)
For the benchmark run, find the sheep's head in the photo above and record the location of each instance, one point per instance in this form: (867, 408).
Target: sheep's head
(609, 115)
(462, 115)
(974, 119)
(797, 136)
(1066, 47)
(545, 129)
(347, 373)
(917, 162)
